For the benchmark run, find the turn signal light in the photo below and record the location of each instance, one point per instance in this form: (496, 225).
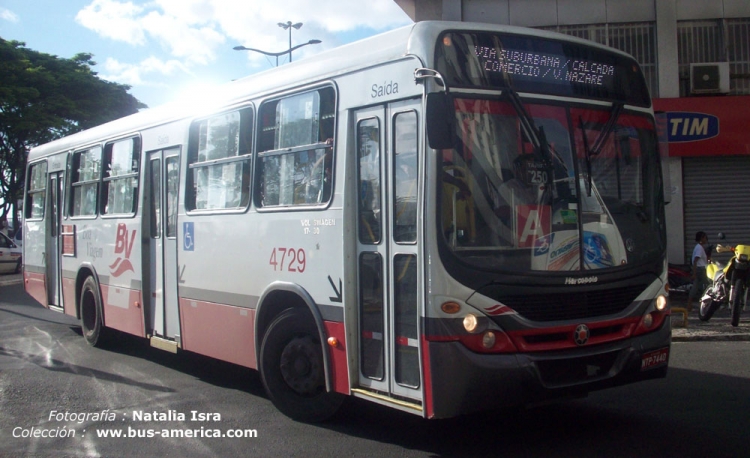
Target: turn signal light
(450, 307)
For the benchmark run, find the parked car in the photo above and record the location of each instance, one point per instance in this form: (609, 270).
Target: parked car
(10, 255)
(18, 238)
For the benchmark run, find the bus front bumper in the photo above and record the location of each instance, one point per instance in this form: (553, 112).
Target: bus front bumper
(463, 381)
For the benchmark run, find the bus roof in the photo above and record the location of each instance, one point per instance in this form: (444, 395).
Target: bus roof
(414, 40)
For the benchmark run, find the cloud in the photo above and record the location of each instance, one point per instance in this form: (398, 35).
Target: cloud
(8, 15)
(135, 74)
(193, 30)
(186, 36)
(115, 20)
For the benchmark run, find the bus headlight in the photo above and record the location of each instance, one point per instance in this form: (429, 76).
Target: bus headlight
(470, 322)
(648, 320)
(661, 302)
(488, 339)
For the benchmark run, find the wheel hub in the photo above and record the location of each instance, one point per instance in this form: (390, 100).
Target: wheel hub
(301, 365)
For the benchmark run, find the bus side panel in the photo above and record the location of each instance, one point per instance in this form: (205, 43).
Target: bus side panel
(219, 331)
(35, 284)
(122, 310)
(69, 296)
(338, 356)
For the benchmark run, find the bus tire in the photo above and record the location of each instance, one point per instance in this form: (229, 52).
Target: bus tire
(292, 369)
(91, 314)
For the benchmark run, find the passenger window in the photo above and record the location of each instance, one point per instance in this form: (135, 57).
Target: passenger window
(86, 171)
(295, 151)
(368, 181)
(219, 162)
(120, 187)
(37, 193)
(405, 177)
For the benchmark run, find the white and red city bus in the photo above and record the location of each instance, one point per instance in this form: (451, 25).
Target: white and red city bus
(444, 218)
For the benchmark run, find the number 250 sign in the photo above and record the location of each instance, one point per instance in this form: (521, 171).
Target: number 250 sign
(289, 259)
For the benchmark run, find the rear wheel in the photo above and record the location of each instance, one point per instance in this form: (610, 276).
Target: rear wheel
(738, 292)
(707, 306)
(91, 314)
(292, 370)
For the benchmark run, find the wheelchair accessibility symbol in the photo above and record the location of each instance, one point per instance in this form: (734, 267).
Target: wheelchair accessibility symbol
(188, 238)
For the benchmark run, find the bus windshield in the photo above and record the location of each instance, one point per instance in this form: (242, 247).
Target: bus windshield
(587, 198)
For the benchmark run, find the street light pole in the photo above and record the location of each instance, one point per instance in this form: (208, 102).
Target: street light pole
(288, 26)
(277, 54)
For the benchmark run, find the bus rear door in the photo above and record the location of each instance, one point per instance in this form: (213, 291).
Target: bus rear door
(162, 316)
(388, 249)
(52, 249)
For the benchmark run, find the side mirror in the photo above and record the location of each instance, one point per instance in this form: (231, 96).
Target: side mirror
(441, 120)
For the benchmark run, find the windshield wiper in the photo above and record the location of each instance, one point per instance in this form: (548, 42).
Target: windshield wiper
(536, 135)
(609, 126)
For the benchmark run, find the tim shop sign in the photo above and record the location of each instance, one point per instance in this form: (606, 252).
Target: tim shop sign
(706, 126)
(685, 126)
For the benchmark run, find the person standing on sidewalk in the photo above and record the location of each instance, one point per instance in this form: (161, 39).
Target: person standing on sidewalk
(699, 261)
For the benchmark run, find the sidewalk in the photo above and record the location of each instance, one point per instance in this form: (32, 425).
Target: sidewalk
(718, 328)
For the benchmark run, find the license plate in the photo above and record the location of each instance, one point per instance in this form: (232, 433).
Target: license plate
(654, 358)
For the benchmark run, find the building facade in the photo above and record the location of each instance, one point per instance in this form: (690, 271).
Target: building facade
(695, 55)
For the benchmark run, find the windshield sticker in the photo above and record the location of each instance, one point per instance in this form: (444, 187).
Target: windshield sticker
(596, 250)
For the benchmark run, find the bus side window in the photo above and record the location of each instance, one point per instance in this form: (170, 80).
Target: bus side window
(120, 182)
(219, 155)
(37, 192)
(295, 150)
(86, 173)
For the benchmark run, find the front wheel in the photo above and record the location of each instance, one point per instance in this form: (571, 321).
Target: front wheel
(738, 292)
(292, 369)
(707, 306)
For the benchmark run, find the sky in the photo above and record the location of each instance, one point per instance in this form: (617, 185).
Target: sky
(169, 49)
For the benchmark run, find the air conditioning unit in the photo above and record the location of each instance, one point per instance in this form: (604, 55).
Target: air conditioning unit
(709, 78)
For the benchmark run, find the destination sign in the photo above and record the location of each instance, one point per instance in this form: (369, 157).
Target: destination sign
(545, 67)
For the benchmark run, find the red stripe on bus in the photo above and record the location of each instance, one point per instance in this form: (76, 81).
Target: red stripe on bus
(429, 407)
(339, 363)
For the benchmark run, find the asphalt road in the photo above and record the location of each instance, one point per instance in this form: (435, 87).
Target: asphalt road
(53, 383)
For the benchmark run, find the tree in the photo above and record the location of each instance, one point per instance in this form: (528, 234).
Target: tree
(45, 97)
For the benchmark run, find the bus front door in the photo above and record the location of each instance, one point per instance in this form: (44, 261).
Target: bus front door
(52, 251)
(163, 182)
(389, 271)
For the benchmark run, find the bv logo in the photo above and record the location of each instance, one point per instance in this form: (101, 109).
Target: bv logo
(123, 246)
(691, 127)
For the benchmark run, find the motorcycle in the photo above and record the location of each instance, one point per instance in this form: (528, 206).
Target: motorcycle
(730, 283)
(680, 276)
(680, 279)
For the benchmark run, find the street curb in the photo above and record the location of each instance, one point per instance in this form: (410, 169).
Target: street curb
(713, 338)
